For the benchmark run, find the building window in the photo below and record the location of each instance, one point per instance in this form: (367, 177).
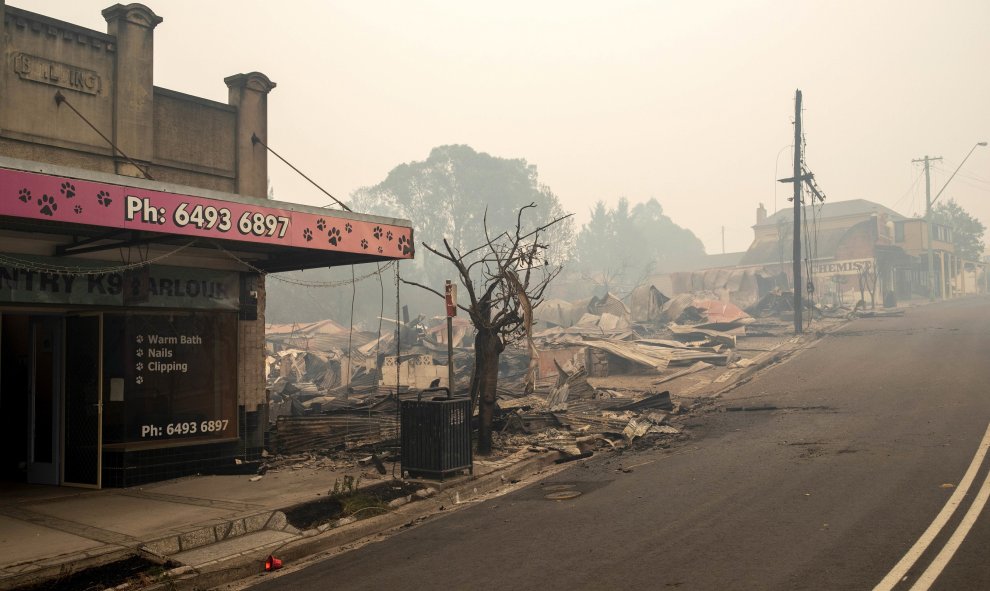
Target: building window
(169, 377)
(899, 232)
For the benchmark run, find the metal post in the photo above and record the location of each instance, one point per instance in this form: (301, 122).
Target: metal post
(450, 357)
(450, 297)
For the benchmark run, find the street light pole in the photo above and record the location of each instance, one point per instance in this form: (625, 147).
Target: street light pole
(971, 150)
(928, 215)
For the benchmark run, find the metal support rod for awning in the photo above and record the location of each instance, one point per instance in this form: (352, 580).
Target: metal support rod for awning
(256, 140)
(60, 100)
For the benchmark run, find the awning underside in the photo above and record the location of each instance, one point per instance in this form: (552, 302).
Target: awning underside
(79, 240)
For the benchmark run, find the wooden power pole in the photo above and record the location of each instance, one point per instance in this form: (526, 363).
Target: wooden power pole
(928, 224)
(798, 308)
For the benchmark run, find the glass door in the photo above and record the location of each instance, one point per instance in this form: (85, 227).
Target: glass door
(82, 465)
(43, 417)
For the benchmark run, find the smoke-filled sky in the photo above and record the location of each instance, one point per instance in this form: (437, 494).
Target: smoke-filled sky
(688, 102)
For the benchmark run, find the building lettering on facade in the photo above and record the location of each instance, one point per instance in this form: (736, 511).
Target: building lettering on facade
(160, 286)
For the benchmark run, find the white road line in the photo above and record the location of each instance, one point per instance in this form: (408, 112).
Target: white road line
(934, 569)
(901, 568)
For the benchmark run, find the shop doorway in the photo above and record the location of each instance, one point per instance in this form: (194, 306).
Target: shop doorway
(83, 403)
(15, 394)
(30, 397)
(50, 408)
(44, 400)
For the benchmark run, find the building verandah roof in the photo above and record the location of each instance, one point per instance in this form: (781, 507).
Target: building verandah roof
(90, 211)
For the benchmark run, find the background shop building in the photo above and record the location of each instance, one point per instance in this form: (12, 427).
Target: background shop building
(135, 236)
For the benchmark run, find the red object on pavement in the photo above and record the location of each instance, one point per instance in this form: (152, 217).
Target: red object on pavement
(272, 563)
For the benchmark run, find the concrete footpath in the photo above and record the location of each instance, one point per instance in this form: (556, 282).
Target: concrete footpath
(204, 523)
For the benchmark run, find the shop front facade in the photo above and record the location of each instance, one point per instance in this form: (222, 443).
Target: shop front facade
(135, 241)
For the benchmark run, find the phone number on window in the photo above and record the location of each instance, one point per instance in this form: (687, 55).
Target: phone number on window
(187, 428)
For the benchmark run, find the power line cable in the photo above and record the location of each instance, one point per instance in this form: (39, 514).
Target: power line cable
(32, 265)
(300, 282)
(910, 190)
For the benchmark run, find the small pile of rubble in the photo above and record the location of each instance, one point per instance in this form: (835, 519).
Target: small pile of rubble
(574, 414)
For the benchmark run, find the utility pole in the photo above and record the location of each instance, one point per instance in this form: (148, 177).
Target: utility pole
(797, 179)
(798, 306)
(928, 220)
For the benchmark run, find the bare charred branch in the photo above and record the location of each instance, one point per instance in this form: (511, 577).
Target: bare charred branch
(505, 283)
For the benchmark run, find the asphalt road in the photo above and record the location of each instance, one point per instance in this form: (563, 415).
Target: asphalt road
(828, 491)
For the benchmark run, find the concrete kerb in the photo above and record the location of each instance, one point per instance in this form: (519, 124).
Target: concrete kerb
(314, 542)
(58, 567)
(162, 548)
(157, 550)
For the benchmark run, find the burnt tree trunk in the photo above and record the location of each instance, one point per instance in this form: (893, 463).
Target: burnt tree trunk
(488, 346)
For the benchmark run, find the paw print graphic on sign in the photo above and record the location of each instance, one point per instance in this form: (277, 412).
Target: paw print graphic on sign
(364, 244)
(308, 234)
(321, 225)
(389, 235)
(47, 205)
(77, 209)
(380, 250)
(405, 246)
(24, 195)
(348, 227)
(335, 236)
(103, 198)
(377, 232)
(68, 189)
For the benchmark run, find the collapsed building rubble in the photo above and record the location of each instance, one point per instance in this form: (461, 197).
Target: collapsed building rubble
(333, 388)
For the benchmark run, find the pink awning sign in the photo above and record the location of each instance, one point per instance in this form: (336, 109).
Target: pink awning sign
(53, 198)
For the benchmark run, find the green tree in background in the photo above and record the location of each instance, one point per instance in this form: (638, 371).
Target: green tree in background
(620, 247)
(967, 231)
(449, 196)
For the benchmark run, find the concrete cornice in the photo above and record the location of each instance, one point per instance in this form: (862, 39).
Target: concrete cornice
(252, 80)
(45, 24)
(136, 14)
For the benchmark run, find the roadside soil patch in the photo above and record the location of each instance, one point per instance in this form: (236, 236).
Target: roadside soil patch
(359, 503)
(136, 571)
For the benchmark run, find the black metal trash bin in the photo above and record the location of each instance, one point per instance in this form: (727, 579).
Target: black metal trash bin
(436, 437)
